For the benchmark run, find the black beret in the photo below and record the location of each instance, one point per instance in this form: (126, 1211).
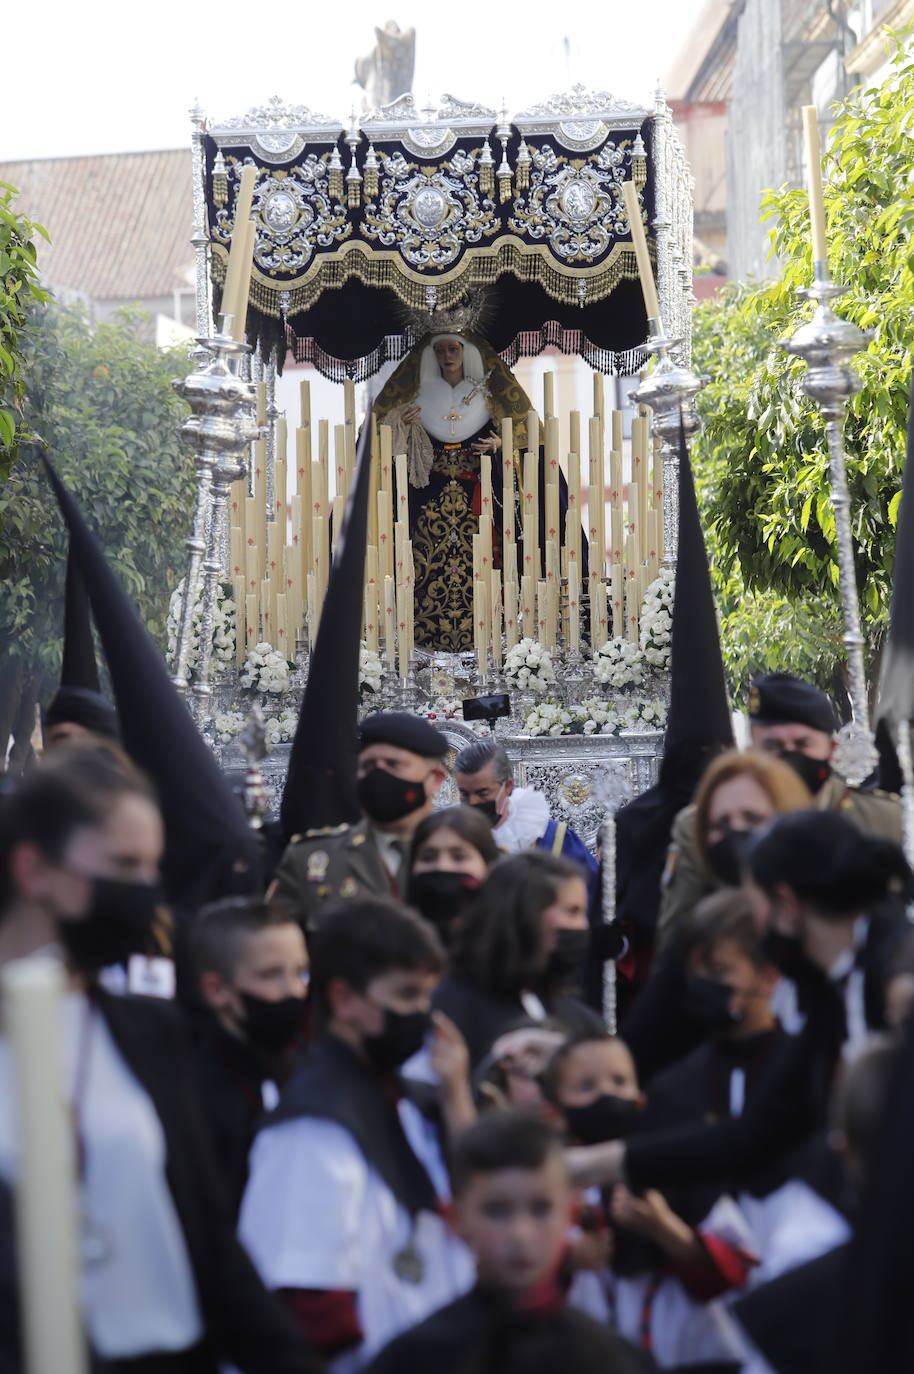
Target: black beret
(782, 699)
(83, 707)
(404, 730)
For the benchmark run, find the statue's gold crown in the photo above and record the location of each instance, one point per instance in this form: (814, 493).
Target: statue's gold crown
(462, 318)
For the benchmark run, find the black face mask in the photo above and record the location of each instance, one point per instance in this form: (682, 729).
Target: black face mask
(403, 1036)
(119, 922)
(489, 809)
(385, 799)
(606, 1118)
(271, 1026)
(727, 855)
(706, 1003)
(441, 896)
(564, 964)
(814, 772)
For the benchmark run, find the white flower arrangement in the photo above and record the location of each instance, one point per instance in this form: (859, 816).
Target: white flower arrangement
(280, 729)
(528, 667)
(592, 718)
(371, 670)
(224, 628)
(656, 621)
(226, 726)
(619, 663)
(266, 672)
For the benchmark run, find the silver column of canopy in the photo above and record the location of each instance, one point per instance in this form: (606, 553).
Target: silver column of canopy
(826, 344)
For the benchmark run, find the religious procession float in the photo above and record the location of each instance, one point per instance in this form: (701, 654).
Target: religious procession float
(515, 544)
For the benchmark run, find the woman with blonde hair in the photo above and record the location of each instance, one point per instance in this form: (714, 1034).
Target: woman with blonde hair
(737, 795)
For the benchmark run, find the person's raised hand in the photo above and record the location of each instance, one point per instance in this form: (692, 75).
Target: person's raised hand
(448, 1053)
(411, 414)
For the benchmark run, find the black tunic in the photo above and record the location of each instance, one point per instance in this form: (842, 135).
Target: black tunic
(481, 1333)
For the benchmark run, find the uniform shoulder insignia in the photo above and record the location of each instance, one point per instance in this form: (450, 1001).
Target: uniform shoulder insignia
(886, 796)
(322, 831)
(296, 839)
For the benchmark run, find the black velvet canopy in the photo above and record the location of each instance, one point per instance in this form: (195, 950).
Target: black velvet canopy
(363, 234)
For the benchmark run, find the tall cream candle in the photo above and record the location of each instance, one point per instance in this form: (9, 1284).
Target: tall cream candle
(238, 594)
(402, 489)
(390, 622)
(573, 514)
(531, 514)
(618, 602)
(548, 395)
(496, 617)
(511, 614)
(251, 620)
(639, 243)
(574, 431)
(527, 612)
(574, 607)
(45, 1184)
(814, 183)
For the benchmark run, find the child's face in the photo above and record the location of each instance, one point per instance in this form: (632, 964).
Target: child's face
(598, 1068)
(515, 1222)
(751, 987)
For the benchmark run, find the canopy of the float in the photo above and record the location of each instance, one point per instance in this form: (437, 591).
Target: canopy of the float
(363, 232)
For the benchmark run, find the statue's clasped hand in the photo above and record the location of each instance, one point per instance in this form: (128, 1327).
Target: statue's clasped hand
(489, 443)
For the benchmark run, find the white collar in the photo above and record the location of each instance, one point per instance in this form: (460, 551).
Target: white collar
(438, 400)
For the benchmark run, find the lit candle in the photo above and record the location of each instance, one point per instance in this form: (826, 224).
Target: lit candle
(639, 243)
(814, 183)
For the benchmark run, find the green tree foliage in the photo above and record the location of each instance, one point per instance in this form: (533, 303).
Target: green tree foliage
(100, 404)
(762, 461)
(18, 289)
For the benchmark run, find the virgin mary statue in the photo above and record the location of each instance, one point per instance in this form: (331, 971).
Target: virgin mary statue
(445, 403)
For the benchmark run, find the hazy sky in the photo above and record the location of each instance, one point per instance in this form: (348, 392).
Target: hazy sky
(107, 76)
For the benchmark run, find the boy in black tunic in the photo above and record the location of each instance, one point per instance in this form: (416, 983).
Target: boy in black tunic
(513, 1209)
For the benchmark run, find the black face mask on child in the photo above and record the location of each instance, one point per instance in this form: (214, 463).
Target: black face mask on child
(271, 1026)
(403, 1036)
(706, 1003)
(606, 1118)
(441, 895)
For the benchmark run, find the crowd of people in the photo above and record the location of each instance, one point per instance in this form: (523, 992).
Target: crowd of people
(368, 1115)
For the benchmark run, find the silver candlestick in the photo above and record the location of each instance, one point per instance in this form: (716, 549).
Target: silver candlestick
(253, 741)
(220, 430)
(826, 344)
(669, 390)
(608, 914)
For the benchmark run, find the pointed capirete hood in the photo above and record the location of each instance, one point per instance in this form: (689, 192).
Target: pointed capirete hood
(210, 850)
(78, 698)
(320, 786)
(896, 685)
(698, 724)
(79, 668)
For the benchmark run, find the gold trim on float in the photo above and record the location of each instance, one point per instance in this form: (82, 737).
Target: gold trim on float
(477, 267)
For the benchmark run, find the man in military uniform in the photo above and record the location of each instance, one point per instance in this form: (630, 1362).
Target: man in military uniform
(400, 771)
(797, 722)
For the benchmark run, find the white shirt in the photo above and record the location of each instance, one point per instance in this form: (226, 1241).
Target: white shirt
(526, 821)
(138, 1291)
(315, 1214)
